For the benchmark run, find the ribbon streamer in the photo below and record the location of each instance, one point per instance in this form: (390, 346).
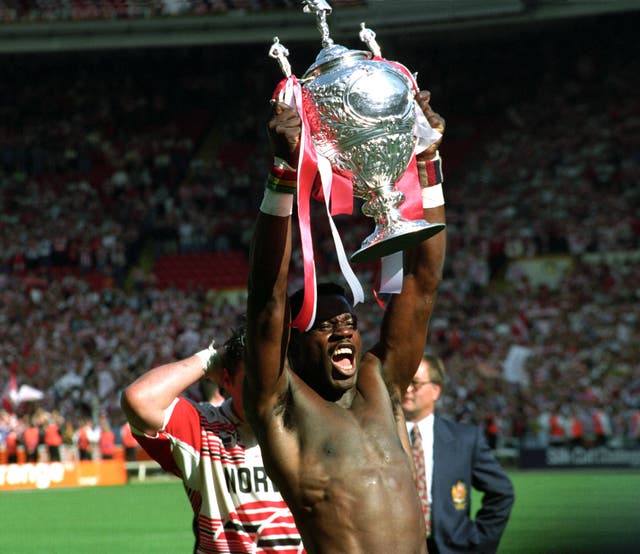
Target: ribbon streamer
(324, 168)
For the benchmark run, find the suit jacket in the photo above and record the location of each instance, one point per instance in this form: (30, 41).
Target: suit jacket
(462, 460)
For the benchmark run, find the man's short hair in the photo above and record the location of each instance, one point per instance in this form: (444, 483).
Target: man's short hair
(437, 372)
(233, 350)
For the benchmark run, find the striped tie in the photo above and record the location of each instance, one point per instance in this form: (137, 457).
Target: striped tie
(421, 478)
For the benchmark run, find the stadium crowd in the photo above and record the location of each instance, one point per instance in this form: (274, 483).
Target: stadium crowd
(83, 10)
(104, 164)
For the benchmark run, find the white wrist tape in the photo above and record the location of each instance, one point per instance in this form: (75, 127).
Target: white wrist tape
(277, 203)
(432, 197)
(206, 356)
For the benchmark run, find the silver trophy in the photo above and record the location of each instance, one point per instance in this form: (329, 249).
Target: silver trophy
(362, 118)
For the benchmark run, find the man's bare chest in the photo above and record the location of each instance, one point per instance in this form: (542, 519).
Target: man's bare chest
(354, 452)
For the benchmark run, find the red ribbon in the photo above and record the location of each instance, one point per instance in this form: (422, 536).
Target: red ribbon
(307, 172)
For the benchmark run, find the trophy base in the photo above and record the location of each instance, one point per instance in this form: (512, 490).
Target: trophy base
(386, 241)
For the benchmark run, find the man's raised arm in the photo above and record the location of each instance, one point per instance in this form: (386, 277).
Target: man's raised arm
(267, 304)
(145, 400)
(405, 323)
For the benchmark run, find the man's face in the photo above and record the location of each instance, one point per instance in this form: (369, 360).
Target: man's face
(420, 398)
(330, 350)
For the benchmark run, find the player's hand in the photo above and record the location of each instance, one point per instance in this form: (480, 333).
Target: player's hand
(284, 129)
(435, 120)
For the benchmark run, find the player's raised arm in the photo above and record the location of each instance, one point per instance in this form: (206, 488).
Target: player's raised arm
(404, 328)
(267, 305)
(145, 400)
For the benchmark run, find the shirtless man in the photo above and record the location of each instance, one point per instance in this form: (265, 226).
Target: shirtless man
(327, 414)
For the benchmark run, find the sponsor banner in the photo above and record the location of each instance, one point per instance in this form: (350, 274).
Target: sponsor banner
(577, 456)
(62, 474)
(611, 258)
(540, 270)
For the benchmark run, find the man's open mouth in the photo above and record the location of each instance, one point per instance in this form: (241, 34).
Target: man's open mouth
(342, 359)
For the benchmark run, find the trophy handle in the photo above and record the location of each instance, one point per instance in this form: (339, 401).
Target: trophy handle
(280, 53)
(368, 36)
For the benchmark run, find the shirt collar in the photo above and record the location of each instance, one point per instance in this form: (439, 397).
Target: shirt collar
(424, 424)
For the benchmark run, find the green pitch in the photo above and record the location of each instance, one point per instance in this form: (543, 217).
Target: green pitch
(556, 512)
(574, 512)
(132, 519)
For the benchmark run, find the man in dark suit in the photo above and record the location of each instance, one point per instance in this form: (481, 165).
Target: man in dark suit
(451, 458)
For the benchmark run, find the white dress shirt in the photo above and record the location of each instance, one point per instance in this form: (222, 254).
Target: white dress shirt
(425, 426)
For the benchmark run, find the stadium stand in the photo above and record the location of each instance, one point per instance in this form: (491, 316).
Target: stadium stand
(129, 180)
(82, 10)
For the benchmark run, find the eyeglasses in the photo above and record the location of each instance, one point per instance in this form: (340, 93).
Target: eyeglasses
(418, 384)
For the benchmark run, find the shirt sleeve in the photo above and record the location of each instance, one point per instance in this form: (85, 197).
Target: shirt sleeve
(181, 426)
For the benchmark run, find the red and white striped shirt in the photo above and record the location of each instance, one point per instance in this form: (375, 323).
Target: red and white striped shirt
(236, 506)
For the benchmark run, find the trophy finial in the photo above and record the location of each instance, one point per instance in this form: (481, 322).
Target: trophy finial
(280, 53)
(369, 38)
(320, 8)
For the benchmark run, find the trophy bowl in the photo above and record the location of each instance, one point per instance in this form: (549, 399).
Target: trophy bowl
(361, 114)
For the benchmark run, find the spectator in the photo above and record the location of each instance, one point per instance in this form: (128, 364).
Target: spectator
(107, 440)
(576, 429)
(52, 436)
(11, 446)
(85, 439)
(31, 440)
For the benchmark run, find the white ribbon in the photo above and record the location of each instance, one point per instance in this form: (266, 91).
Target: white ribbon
(424, 133)
(326, 176)
(391, 273)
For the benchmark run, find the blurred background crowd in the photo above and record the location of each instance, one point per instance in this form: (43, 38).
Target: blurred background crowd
(77, 10)
(129, 181)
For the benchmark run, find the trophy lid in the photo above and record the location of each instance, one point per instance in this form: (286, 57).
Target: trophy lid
(332, 56)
